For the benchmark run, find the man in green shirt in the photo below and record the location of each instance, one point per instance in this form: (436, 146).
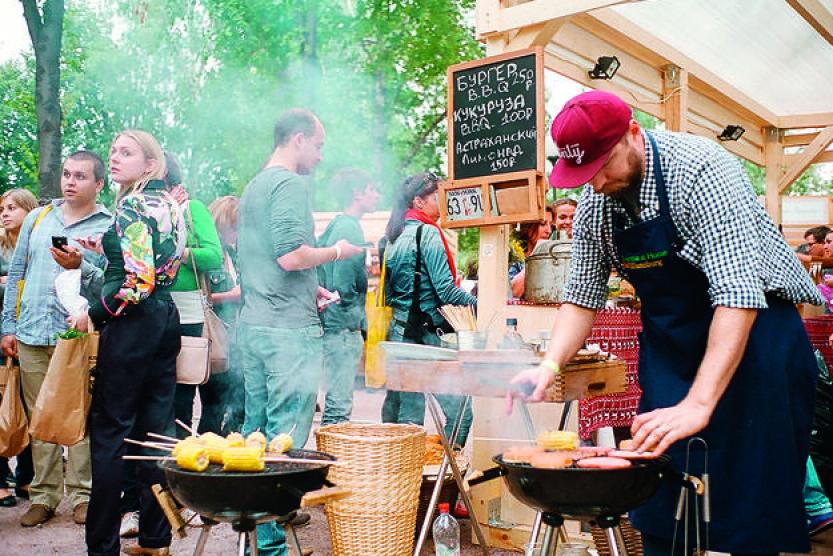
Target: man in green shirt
(345, 321)
(280, 329)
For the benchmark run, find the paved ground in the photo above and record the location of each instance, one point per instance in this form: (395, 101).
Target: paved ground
(62, 536)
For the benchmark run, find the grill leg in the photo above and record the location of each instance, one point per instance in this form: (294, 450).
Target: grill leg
(613, 542)
(292, 539)
(549, 546)
(198, 550)
(617, 533)
(241, 543)
(253, 542)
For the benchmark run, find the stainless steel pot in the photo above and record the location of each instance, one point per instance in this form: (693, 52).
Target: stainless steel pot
(547, 270)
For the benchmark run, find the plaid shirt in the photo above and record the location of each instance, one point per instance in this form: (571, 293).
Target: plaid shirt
(42, 317)
(725, 231)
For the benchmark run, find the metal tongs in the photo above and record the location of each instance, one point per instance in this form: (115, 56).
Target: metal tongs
(693, 487)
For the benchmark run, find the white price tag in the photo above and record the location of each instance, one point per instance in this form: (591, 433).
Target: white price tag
(464, 204)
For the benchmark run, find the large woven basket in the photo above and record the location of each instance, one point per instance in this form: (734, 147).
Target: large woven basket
(384, 472)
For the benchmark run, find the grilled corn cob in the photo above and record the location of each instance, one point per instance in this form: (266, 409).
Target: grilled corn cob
(235, 439)
(256, 440)
(281, 443)
(189, 441)
(192, 456)
(215, 444)
(558, 440)
(241, 458)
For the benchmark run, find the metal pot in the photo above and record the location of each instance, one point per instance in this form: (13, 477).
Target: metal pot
(547, 270)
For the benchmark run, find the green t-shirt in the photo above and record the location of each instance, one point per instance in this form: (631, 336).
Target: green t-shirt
(275, 218)
(348, 277)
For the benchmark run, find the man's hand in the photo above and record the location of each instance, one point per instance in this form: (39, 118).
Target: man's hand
(80, 322)
(68, 257)
(92, 243)
(347, 249)
(179, 194)
(530, 385)
(9, 345)
(324, 297)
(657, 430)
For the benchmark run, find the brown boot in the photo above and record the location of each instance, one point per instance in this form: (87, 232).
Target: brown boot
(36, 514)
(137, 550)
(79, 513)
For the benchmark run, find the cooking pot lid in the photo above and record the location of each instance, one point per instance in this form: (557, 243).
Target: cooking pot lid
(553, 247)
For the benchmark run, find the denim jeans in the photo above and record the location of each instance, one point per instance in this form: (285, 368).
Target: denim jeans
(342, 354)
(281, 373)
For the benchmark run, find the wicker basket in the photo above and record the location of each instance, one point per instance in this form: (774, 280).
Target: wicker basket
(384, 472)
(632, 538)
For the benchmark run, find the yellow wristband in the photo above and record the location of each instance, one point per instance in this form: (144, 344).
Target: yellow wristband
(551, 365)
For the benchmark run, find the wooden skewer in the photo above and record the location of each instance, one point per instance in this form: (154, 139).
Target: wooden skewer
(163, 437)
(149, 458)
(186, 427)
(274, 459)
(154, 445)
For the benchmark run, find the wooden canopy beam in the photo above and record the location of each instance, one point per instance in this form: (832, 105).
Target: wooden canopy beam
(774, 169)
(675, 93)
(805, 158)
(820, 119)
(496, 19)
(817, 15)
(539, 34)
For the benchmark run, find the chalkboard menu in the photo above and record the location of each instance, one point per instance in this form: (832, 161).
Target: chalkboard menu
(494, 118)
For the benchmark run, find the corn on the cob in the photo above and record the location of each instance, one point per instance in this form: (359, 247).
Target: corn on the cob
(215, 444)
(241, 458)
(281, 443)
(558, 440)
(189, 441)
(192, 456)
(256, 440)
(235, 439)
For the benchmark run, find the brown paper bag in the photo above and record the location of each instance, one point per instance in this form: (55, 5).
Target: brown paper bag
(14, 429)
(60, 412)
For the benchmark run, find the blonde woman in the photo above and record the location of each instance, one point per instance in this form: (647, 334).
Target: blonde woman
(15, 204)
(139, 323)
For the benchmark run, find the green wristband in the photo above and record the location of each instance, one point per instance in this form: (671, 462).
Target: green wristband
(551, 365)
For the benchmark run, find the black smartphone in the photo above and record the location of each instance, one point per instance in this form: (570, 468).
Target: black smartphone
(59, 242)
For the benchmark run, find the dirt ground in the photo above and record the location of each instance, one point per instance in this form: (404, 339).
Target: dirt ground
(61, 536)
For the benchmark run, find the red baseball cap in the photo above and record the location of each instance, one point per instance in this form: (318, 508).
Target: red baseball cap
(585, 131)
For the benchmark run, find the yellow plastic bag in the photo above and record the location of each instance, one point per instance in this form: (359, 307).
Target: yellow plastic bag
(378, 320)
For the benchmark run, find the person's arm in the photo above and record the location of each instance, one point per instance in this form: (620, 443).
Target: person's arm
(518, 283)
(17, 270)
(728, 335)
(436, 263)
(136, 246)
(571, 328)
(209, 254)
(230, 296)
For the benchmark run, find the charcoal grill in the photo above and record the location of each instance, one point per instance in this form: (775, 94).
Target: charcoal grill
(600, 495)
(246, 500)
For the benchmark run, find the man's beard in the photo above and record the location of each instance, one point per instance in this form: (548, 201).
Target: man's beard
(634, 179)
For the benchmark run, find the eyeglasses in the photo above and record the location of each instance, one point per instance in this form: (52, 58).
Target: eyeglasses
(428, 179)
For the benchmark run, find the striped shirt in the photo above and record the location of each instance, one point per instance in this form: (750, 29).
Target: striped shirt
(724, 230)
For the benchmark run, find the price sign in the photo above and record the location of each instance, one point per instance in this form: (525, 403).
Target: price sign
(464, 204)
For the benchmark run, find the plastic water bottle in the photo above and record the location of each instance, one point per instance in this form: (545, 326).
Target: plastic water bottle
(446, 533)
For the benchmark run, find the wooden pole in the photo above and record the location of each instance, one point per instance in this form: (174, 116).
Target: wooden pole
(774, 156)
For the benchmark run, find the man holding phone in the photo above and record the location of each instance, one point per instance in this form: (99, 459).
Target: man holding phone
(45, 248)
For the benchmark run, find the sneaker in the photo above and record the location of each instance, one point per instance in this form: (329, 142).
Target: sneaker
(79, 513)
(36, 515)
(129, 525)
(820, 523)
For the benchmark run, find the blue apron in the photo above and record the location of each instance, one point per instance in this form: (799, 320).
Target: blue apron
(758, 436)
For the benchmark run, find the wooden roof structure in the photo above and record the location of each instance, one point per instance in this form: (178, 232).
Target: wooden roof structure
(697, 65)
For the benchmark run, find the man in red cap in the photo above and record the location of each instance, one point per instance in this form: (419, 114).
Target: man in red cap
(723, 354)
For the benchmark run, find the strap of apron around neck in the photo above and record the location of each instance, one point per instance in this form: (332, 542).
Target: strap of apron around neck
(662, 192)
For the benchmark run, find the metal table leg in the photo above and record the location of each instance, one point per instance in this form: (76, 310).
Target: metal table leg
(435, 494)
(203, 538)
(292, 539)
(433, 406)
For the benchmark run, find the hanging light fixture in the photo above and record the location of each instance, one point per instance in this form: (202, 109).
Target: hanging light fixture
(731, 133)
(605, 68)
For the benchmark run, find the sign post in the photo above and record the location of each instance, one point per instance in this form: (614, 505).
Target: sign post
(495, 150)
